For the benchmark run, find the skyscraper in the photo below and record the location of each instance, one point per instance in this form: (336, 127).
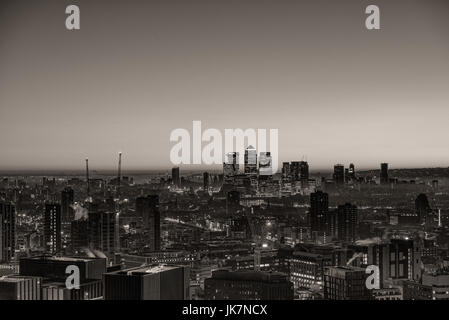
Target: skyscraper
(339, 174)
(347, 222)
(67, 197)
(286, 171)
(101, 226)
(231, 166)
(52, 227)
(295, 170)
(79, 234)
(265, 164)
(304, 174)
(352, 171)
(250, 161)
(7, 231)
(148, 208)
(384, 173)
(319, 207)
(175, 176)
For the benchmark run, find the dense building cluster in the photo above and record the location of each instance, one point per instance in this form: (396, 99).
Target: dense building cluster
(244, 233)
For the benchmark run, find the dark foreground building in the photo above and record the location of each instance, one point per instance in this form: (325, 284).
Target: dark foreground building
(52, 270)
(345, 283)
(148, 283)
(248, 285)
(15, 287)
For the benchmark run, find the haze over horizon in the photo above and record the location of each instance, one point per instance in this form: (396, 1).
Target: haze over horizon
(336, 92)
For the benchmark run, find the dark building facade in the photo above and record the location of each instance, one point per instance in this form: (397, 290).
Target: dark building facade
(347, 222)
(339, 174)
(175, 176)
(345, 283)
(67, 198)
(15, 287)
(384, 178)
(319, 207)
(148, 208)
(248, 285)
(7, 231)
(52, 227)
(148, 283)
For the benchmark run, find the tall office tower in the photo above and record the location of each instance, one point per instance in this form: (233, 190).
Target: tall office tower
(345, 283)
(422, 207)
(295, 170)
(175, 177)
(148, 208)
(248, 285)
(265, 164)
(231, 166)
(67, 197)
(331, 223)
(351, 171)
(148, 283)
(304, 174)
(286, 173)
(384, 173)
(79, 234)
(339, 174)
(405, 259)
(347, 222)
(232, 202)
(250, 161)
(52, 228)
(101, 226)
(206, 181)
(319, 207)
(7, 231)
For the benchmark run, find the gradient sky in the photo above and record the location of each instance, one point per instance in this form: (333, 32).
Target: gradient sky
(136, 70)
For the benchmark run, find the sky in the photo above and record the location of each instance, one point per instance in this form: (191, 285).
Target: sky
(136, 70)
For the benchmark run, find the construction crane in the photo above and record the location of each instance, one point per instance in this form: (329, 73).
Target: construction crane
(87, 178)
(119, 174)
(117, 205)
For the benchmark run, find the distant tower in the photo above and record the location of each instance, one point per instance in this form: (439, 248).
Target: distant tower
(52, 228)
(304, 174)
(347, 222)
(319, 207)
(148, 208)
(352, 171)
(286, 171)
(231, 166)
(250, 161)
(339, 174)
(384, 173)
(265, 164)
(67, 197)
(176, 180)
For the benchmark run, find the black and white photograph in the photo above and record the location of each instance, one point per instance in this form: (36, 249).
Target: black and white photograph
(224, 154)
